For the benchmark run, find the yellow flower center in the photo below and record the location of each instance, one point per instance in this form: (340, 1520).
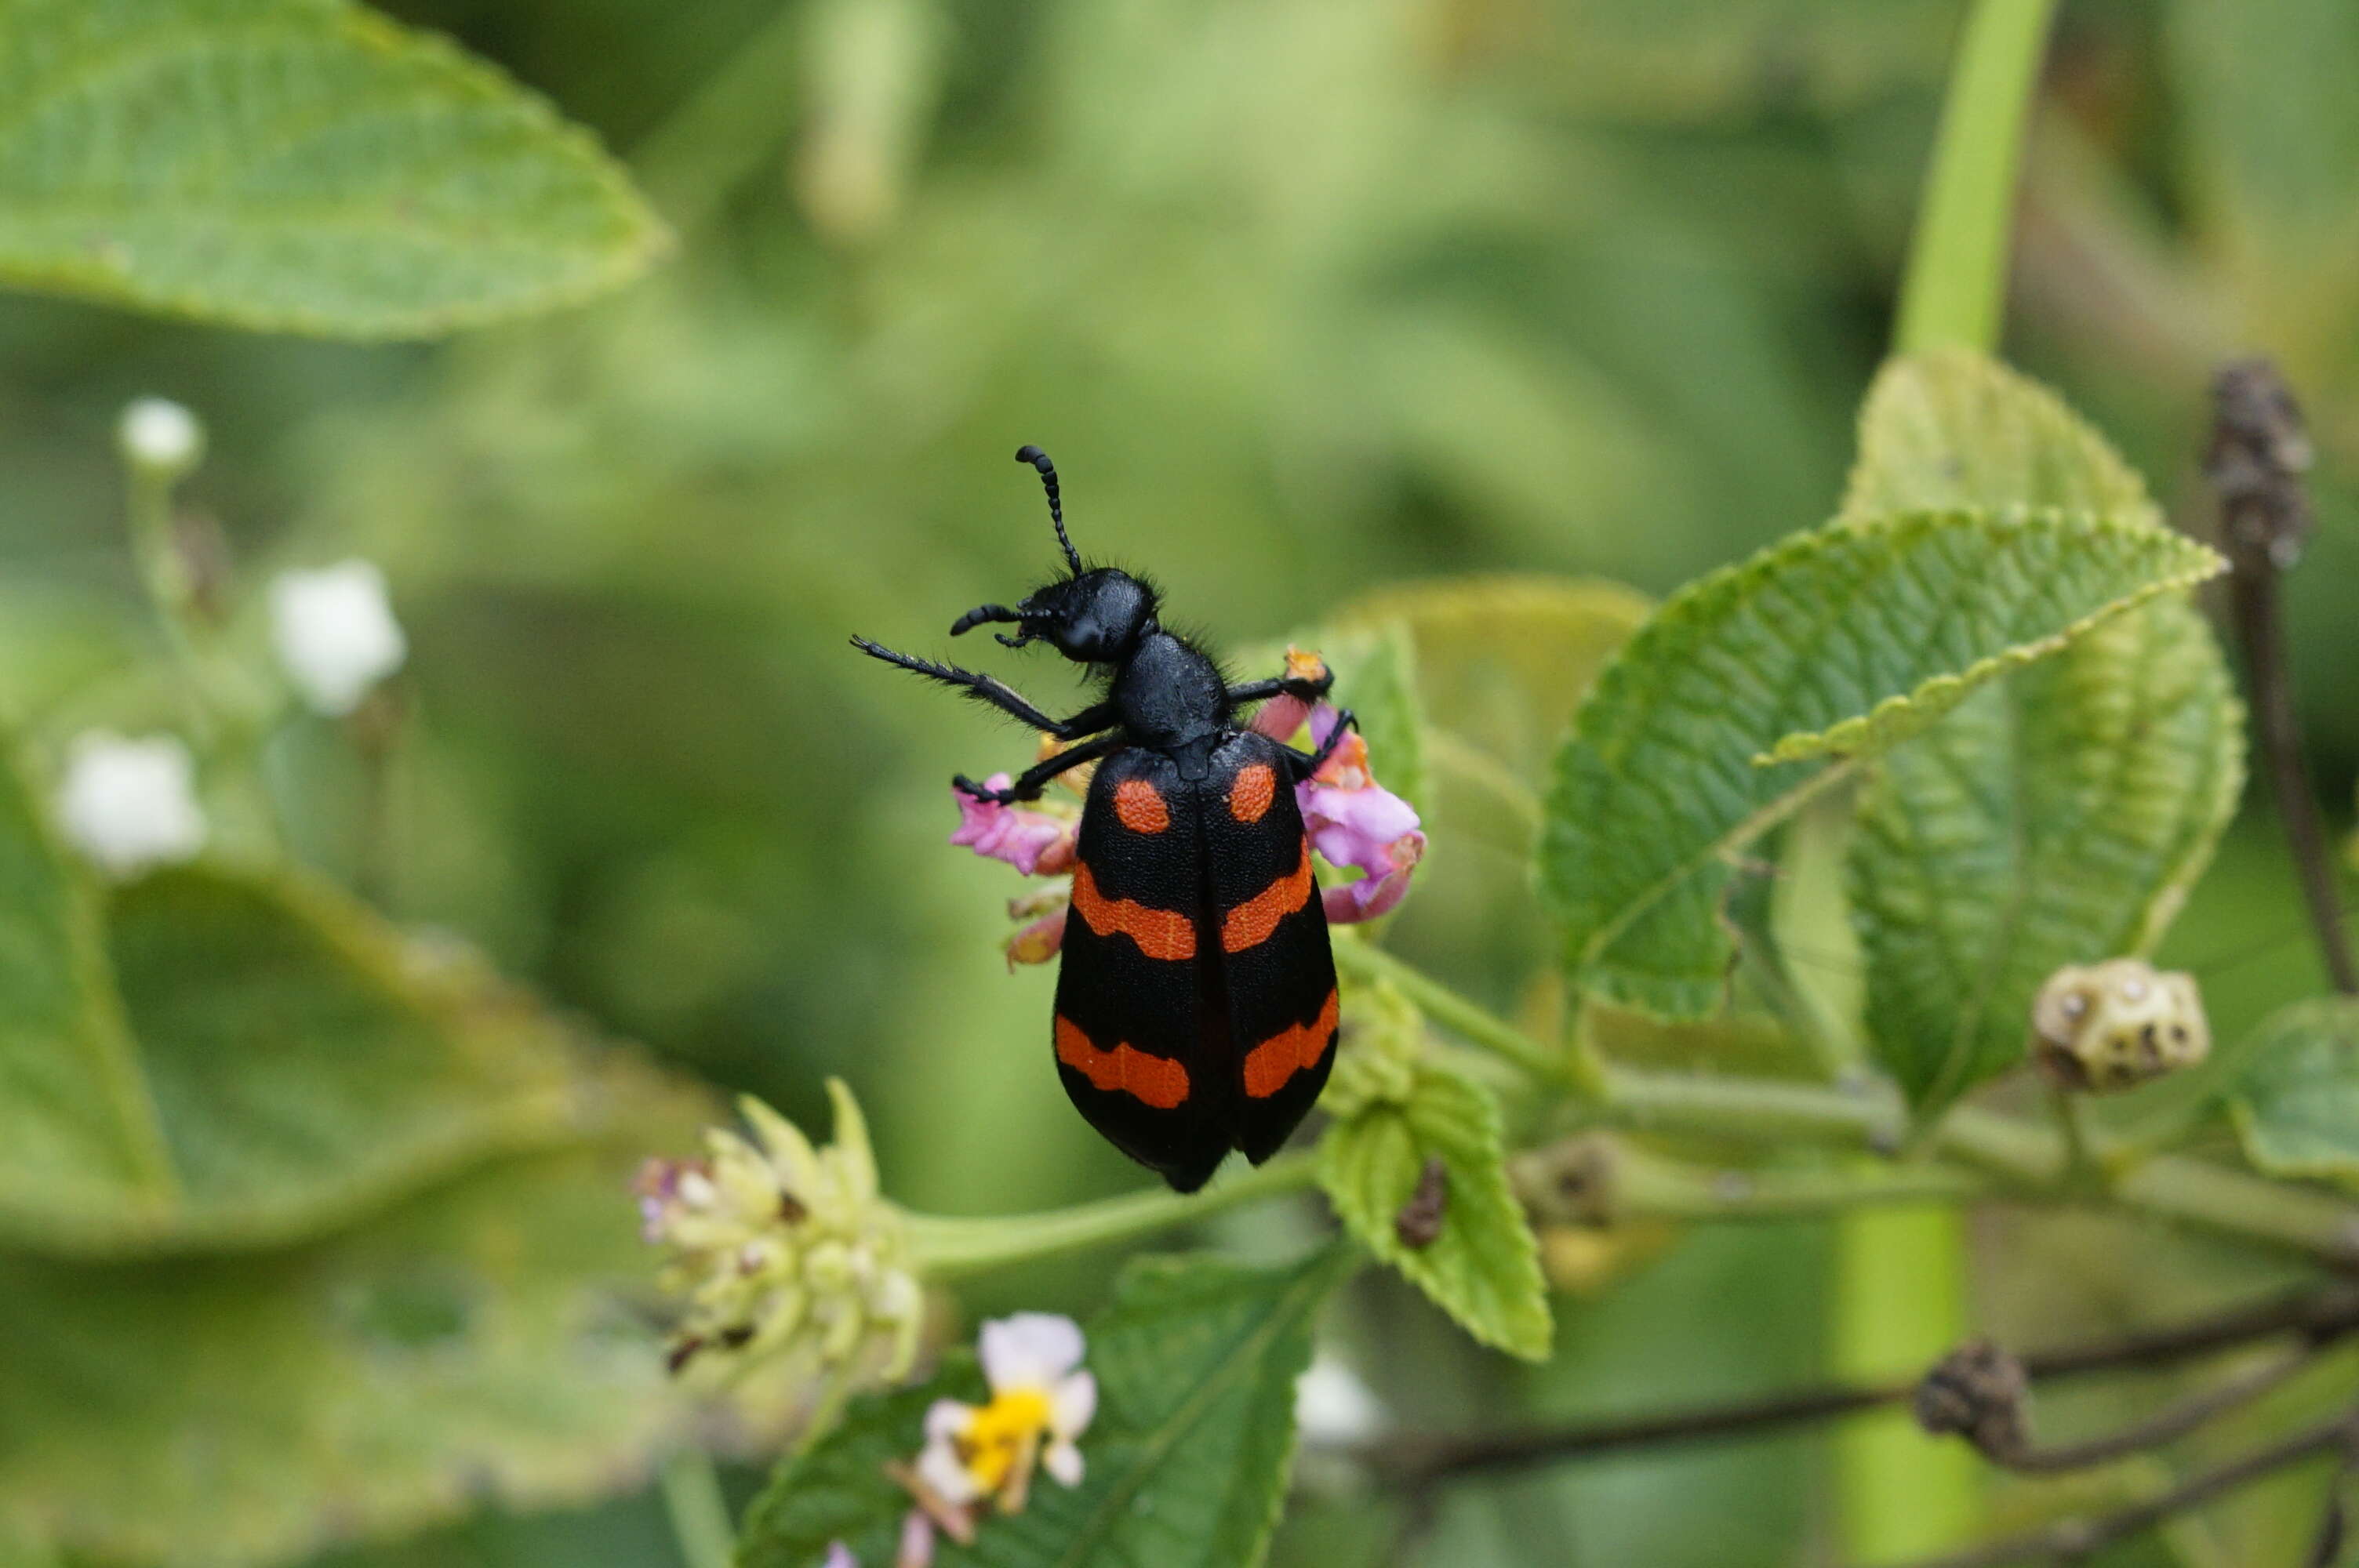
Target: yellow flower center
(1001, 1434)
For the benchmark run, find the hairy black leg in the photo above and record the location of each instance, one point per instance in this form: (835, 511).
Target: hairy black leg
(1034, 779)
(1282, 685)
(995, 694)
(1309, 762)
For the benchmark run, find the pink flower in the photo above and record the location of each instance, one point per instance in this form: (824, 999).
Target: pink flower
(1355, 822)
(1034, 842)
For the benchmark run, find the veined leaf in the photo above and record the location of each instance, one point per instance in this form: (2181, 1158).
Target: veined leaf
(2058, 816)
(2296, 1102)
(471, 1345)
(1718, 717)
(1954, 428)
(1483, 1267)
(1186, 1459)
(274, 1061)
(294, 165)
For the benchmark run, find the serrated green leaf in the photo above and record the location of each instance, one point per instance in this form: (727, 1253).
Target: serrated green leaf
(294, 165)
(2296, 1102)
(1483, 1267)
(1952, 428)
(2060, 816)
(1186, 1459)
(471, 1346)
(273, 1062)
(1714, 720)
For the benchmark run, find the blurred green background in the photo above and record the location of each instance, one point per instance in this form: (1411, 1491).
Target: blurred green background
(1306, 296)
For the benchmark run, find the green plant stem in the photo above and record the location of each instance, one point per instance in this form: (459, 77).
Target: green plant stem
(947, 1247)
(1574, 1066)
(1956, 281)
(1656, 1188)
(699, 1514)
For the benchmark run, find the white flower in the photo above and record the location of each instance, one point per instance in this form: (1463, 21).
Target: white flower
(129, 804)
(335, 633)
(1333, 1409)
(839, 1556)
(1040, 1404)
(160, 436)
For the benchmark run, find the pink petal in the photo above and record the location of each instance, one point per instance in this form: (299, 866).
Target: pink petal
(1031, 841)
(1039, 942)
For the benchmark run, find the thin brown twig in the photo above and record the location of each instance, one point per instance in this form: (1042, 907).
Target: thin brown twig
(1417, 1462)
(2260, 452)
(1981, 1393)
(2077, 1538)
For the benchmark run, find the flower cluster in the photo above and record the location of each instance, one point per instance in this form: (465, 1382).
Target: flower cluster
(979, 1459)
(1354, 823)
(775, 1245)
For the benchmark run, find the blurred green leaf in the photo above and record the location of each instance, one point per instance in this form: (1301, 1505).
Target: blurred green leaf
(240, 1062)
(1186, 1459)
(294, 165)
(1482, 1265)
(2060, 815)
(2297, 1104)
(78, 1133)
(1841, 641)
(472, 1346)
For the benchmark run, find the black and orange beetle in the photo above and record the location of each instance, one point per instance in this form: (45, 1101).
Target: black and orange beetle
(1196, 1004)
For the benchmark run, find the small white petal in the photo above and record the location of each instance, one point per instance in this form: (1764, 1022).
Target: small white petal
(1029, 1350)
(1064, 1462)
(158, 434)
(939, 1468)
(946, 1419)
(1071, 1404)
(1333, 1408)
(129, 804)
(335, 633)
(839, 1556)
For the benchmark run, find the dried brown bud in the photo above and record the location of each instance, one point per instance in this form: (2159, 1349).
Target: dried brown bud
(1418, 1222)
(1575, 1180)
(1981, 1391)
(2259, 452)
(2098, 1028)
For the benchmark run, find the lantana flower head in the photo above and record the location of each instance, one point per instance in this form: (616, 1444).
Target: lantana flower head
(1042, 1401)
(779, 1246)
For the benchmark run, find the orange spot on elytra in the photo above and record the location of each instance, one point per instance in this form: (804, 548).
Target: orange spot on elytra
(1153, 1080)
(1275, 1060)
(1159, 933)
(1251, 922)
(1249, 796)
(1140, 807)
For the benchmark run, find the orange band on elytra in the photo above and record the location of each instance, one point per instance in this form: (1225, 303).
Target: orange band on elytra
(1160, 933)
(1251, 922)
(1271, 1064)
(1157, 1081)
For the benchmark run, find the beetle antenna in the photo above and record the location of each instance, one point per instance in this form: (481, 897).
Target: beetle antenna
(1040, 460)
